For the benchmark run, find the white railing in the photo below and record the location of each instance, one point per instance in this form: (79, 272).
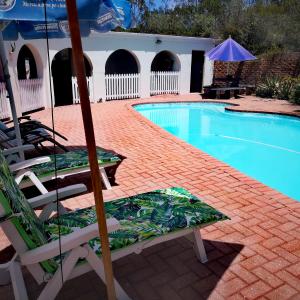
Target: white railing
(75, 91)
(122, 86)
(31, 95)
(4, 102)
(164, 83)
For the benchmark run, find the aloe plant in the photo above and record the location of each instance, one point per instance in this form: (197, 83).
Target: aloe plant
(276, 87)
(285, 88)
(268, 88)
(296, 94)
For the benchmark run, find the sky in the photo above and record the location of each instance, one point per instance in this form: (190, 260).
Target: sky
(158, 3)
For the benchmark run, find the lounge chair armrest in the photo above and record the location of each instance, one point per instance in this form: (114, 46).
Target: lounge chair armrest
(33, 125)
(8, 139)
(68, 242)
(24, 118)
(17, 149)
(20, 119)
(29, 163)
(53, 196)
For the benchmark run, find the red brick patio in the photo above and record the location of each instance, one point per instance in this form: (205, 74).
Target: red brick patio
(254, 255)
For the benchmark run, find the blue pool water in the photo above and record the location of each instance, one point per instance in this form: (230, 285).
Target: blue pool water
(263, 146)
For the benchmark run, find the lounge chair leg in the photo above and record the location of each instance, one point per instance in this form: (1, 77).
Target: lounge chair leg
(97, 264)
(17, 281)
(55, 284)
(34, 179)
(50, 208)
(11, 272)
(105, 178)
(199, 246)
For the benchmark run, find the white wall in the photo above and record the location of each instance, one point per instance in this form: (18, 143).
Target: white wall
(98, 47)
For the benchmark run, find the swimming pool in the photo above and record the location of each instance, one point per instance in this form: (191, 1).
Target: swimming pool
(263, 146)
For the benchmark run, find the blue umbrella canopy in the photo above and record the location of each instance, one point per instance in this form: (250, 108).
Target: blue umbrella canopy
(230, 51)
(32, 19)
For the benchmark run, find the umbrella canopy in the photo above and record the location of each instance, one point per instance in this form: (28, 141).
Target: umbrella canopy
(33, 19)
(230, 51)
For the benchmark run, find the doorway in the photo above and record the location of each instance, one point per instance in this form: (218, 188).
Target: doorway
(26, 65)
(197, 71)
(62, 72)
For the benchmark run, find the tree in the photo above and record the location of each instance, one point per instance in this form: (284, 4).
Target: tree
(259, 25)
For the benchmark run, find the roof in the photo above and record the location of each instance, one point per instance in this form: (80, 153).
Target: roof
(153, 36)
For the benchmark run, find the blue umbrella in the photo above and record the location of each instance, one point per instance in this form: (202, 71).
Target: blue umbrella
(230, 51)
(47, 18)
(33, 20)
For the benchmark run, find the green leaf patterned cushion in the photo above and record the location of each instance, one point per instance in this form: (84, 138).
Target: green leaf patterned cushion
(17, 209)
(72, 160)
(141, 217)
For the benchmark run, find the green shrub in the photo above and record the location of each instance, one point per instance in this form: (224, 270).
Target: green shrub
(295, 97)
(264, 91)
(268, 87)
(285, 88)
(279, 88)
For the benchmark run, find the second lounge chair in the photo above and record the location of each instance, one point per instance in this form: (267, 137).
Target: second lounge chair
(32, 172)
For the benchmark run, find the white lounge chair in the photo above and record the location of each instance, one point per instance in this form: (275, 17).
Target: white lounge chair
(42, 169)
(134, 223)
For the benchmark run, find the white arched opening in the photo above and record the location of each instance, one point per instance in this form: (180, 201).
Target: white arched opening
(63, 75)
(165, 73)
(30, 78)
(122, 75)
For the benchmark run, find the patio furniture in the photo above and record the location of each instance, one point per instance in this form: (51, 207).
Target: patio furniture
(249, 88)
(12, 153)
(34, 137)
(47, 199)
(42, 169)
(134, 223)
(229, 92)
(27, 127)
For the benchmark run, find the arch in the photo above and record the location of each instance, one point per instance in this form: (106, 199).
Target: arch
(38, 60)
(165, 61)
(122, 62)
(63, 70)
(26, 64)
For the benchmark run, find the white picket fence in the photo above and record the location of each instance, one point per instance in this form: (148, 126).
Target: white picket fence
(31, 94)
(122, 86)
(4, 102)
(75, 90)
(164, 83)
(31, 97)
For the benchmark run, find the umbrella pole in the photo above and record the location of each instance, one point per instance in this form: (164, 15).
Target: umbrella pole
(9, 89)
(91, 144)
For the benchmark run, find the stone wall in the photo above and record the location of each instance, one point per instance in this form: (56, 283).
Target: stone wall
(251, 72)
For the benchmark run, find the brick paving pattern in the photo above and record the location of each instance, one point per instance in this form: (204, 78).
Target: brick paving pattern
(255, 255)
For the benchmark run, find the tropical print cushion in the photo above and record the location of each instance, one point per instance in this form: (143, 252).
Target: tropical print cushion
(17, 209)
(142, 217)
(72, 160)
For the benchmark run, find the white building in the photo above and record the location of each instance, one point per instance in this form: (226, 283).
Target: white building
(119, 65)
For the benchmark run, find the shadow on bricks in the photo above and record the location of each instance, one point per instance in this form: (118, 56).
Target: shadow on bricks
(169, 270)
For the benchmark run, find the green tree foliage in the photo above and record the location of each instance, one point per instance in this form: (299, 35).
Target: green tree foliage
(259, 25)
